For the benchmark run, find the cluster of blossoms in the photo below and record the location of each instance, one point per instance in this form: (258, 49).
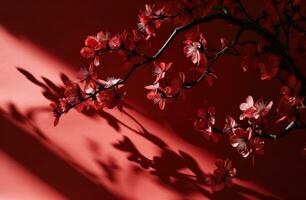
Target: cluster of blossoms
(160, 92)
(151, 19)
(247, 139)
(205, 121)
(125, 43)
(290, 103)
(93, 44)
(251, 110)
(195, 47)
(271, 58)
(267, 65)
(246, 142)
(222, 176)
(269, 69)
(96, 94)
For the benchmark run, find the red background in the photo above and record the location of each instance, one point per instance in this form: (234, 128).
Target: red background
(58, 28)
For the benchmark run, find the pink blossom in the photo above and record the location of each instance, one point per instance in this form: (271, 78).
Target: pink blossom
(94, 43)
(230, 125)
(269, 70)
(251, 110)
(262, 108)
(245, 142)
(205, 121)
(195, 49)
(177, 84)
(146, 23)
(116, 41)
(111, 98)
(156, 94)
(160, 70)
(290, 103)
(110, 82)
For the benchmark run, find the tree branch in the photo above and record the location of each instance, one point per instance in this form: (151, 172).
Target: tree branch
(216, 57)
(242, 24)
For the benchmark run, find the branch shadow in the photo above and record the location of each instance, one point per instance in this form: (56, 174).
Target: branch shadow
(170, 166)
(72, 182)
(167, 166)
(51, 91)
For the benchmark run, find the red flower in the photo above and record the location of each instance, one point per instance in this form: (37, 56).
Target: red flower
(73, 93)
(86, 73)
(195, 49)
(269, 70)
(250, 54)
(177, 85)
(137, 36)
(223, 175)
(88, 52)
(157, 94)
(160, 70)
(90, 87)
(94, 44)
(247, 108)
(290, 103)
(230, 125)
(111, 98)
(110, 82)
(152, 87)
(58, 110)
(262, 109)
(245, 142)
(271, 17)
(146, 22)
(204, 122)
(251, 110)
(73, 96)
(116, 41)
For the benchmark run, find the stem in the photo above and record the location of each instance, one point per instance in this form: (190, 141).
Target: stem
(245, 25)
(242, 24)
(242, 8)
(216, 57)
(281, 134)
(96, 82)
(262, 124)
(279, 15)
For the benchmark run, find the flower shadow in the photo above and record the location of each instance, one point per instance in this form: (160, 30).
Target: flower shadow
(58, 169)
(169, 166)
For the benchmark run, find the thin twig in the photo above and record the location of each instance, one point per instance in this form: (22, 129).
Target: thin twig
(243, 24)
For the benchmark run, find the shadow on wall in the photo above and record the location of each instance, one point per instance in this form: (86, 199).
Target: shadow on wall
(266, 172)
(67, 23)
(67, 176)
(46, 165)
(167, 166)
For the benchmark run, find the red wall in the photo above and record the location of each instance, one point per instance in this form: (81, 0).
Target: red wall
(59, 29)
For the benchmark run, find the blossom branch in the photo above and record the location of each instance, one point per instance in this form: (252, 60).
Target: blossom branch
(280, 134)
(243, 24)
(216, 57)
(271, 50)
